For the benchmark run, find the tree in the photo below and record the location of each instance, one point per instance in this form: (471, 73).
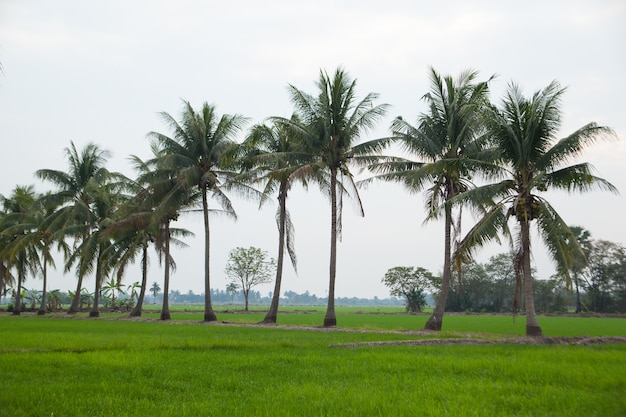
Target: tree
(198, 152)
(248, 268)
(411, 284)
(448, 141)
(578, 249)
(329, 125)
(605, 277)
(75, 198)
(24, 259)
(232, 289)
(155, 289)
(524, 133)
(272, 155)
(137, 223)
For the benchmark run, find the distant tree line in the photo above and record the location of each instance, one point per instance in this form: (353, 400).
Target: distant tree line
(597, 284)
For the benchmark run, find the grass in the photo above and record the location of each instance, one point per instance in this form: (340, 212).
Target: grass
(77, 367)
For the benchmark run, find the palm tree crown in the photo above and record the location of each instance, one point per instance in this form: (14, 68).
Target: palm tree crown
(448, 141)
(524, 134)
(199, 152)
(330, 124)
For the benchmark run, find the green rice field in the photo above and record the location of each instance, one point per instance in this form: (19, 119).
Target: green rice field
(369, 366)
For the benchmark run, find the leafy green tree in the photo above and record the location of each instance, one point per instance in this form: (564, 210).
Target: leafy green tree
(501, 271)
(448, 141)
(524, 133)
(329, 126)
(409, 283)
(605, 277)
(248, 268)
(198, 151)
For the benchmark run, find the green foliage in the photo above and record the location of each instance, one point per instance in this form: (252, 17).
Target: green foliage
(409, 283)
(247, 268)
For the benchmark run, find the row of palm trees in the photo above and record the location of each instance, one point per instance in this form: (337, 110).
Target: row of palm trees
(101, 221)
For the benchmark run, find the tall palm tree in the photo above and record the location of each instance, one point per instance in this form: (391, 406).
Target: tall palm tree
(198, 151)
(75, 198)
(524, 133)
(276, 158)
(449, 143)
(330, 124)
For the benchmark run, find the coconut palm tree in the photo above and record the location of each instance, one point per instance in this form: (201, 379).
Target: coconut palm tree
(22, 258)
(92, 254)
(136, 226)
(447, 139)
(31, 229)
(277, 159)
(524, 133)
(578, 249)
(329, 126)
(75, 198)
(198, 151)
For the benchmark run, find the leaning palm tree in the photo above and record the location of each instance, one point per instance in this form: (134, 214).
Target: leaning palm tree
(329, 126)
(276, 158)
(198, 151)
(74, 197)
(448, 141)
(533, 161)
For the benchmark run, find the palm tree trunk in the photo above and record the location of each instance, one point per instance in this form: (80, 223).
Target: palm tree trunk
(209, 314)
(436, 319)
(144, 281)
(532, 325)
(165, 310)
(75, 307)
(17, 308)
(95, 311)
(578, 304)
(330, 319)
(42, 308)
(272, 314)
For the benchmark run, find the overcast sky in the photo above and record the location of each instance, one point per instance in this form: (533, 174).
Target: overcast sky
(100, 71)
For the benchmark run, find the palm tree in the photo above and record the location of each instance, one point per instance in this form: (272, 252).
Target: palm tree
(524, 134)
(329, 126)
(198, 151)
(75, 198)
(136, 225)
(22, 258)
(578, 249)
(155, 290)
(31, 229)
(449, 142)
(276, 158)
(93, 254)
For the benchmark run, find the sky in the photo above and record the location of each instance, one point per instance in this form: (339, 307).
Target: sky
(101, 71)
